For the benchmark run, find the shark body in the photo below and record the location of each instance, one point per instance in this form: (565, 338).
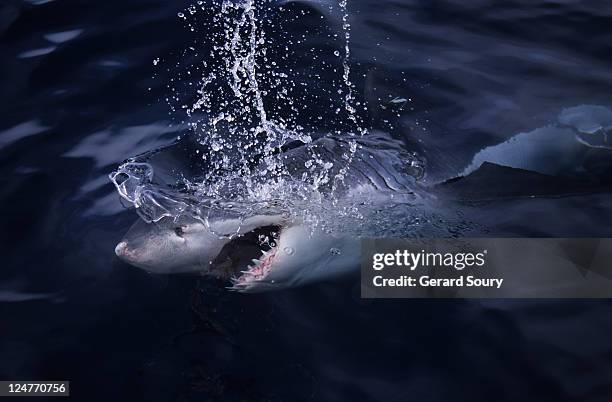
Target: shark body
(275, 251)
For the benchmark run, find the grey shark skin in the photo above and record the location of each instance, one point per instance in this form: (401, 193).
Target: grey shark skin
(168, 247)
(294, 255)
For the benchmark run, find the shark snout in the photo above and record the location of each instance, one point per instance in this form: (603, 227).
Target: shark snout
(130, 254)
(121, 249)
(126, 253)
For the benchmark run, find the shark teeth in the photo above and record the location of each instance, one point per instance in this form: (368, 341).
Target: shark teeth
(256, 272)
(259, 269)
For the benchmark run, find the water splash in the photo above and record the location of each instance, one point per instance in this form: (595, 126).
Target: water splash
(349, 99)
(247, 153)
(381, 179)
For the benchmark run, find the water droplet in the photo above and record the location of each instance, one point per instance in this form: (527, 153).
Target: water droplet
(288, 250)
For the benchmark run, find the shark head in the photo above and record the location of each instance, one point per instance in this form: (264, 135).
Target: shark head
(265, 252)
(169, 246)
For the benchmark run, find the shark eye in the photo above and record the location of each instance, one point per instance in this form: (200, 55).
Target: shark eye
(179, 231)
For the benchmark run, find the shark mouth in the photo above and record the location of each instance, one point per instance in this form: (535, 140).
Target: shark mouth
(248, 258)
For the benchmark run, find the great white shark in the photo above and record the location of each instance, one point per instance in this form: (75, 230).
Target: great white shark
(293, 256)
(275, 251)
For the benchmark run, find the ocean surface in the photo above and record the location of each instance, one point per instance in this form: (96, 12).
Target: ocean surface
(85, 85)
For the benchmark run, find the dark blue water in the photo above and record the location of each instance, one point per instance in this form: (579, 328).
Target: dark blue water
(80, 94)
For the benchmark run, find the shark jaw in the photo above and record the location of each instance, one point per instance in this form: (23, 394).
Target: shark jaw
(249, 257)
(297, 255)
(258, 271)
